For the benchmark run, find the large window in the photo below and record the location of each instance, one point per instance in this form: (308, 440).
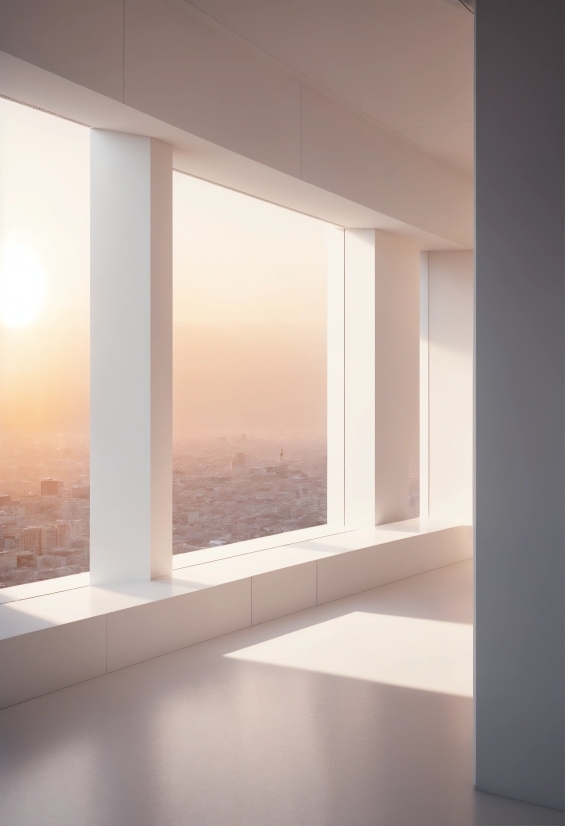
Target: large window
(44, 345)
(250, 368)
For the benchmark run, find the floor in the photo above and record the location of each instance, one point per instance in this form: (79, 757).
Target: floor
(354, 713)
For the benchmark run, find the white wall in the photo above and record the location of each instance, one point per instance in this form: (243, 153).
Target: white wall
(450, 388)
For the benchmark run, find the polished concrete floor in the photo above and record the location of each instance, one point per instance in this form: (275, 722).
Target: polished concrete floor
(354, 713)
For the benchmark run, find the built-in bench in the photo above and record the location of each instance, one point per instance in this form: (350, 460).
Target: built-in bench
(78, 631)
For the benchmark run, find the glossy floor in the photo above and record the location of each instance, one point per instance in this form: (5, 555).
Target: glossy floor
(354, 713)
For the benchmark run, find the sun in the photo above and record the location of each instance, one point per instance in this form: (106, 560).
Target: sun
(22, 286)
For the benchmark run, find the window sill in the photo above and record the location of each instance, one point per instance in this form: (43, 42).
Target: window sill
(14, 593)
(54, 640)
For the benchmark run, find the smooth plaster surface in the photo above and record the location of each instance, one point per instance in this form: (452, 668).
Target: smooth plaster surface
(520, 399)
(349, 714)
(450, 384)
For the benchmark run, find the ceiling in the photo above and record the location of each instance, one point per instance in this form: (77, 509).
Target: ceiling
(405, 64)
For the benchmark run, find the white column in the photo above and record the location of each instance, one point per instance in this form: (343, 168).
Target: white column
(424, 386)
(131, 358)
(360, 378)
(336, 376)
(382, 313)
(397, 365)
(451, 385)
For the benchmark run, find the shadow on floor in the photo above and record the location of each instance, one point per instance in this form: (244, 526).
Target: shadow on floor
(201, 738)
(197, 739)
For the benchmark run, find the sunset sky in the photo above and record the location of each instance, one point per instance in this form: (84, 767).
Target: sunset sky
(249, 314)
(249, 295)
(44, 230)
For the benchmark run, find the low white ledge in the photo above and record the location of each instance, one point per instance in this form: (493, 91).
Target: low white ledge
(53, 640)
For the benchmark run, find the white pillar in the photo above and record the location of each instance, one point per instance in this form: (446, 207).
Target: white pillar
(397, 347)
(360, 378)
(450, 332)
(382, 313)
(424, 387)
(336, 370)
(131, 358)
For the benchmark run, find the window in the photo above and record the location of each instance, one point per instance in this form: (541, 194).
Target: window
(249, 369)
(44, 345)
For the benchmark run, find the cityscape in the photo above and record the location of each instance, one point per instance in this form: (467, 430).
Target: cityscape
(232, 488)
(225, 489)
(44, 507)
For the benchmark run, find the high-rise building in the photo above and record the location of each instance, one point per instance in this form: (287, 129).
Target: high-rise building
(63, 535)
(49, 538)
(51, 487)
(30, 539)
(238, 460)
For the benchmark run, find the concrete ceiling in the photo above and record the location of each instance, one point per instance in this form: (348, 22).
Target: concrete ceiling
(405, 64)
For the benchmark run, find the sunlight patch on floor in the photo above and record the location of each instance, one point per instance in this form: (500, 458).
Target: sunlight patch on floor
(424, 654)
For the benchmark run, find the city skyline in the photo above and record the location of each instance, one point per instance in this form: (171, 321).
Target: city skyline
(225, 489)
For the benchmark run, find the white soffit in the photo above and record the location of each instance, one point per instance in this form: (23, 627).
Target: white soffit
(23, 82)
(405, 64)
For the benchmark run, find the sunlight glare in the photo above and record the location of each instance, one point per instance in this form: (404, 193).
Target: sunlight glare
(22, 286)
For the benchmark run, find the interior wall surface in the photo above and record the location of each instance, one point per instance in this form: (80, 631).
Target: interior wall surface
(450, 385)
(397, 365)
(520, 400)
(382, 351)
(157, 59)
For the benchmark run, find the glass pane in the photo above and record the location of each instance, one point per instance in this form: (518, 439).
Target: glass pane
(44, 346)
(250, 367)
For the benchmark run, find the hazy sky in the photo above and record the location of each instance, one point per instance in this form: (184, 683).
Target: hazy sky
(249, 314)
(44, 270)
(249, 295)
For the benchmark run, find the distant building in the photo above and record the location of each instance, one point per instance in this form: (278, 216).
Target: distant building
(5, 499)
(30, 539)
(244, 437)
(55, 536)
(238, 460)
(51, 487)
(80, 492)
(49, 538)
(63, 535)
